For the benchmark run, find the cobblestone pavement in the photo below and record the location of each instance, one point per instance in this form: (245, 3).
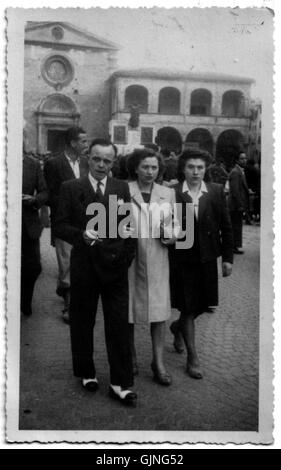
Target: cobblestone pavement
(226, 399)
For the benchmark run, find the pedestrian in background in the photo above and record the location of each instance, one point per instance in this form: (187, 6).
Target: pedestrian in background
(238, 200)
(216, 173)
(34, 196)
(44, 211)
(194, 273)
(253, 178)
(149, 274)
(68, 165)
(170, 161)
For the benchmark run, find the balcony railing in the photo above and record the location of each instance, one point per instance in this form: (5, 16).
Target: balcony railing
(180, 117)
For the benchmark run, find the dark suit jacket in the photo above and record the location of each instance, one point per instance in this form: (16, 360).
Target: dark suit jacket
(33, 184)
(214, 229)
(111, 257)
(238, 199)
(57, 170)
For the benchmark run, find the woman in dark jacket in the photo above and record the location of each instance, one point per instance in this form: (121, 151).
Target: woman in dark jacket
(193, 271)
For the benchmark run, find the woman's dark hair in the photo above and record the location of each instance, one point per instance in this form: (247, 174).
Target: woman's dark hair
(152, 147)
(188, 154)
(135, 158)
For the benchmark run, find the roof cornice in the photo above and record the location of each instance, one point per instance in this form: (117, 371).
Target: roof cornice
(104, 43)
(179, 75)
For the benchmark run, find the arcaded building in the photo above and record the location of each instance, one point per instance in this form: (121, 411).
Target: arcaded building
(182, 108)
(72, 77)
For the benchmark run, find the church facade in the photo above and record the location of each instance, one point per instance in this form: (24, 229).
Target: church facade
(72, 77)
(66, 82)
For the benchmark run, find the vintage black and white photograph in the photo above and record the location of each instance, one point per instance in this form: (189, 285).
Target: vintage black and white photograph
(140, 199)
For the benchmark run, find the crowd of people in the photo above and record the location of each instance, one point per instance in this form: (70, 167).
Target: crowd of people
(138, 277)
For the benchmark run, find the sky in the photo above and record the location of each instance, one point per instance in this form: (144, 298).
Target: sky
(232, 41)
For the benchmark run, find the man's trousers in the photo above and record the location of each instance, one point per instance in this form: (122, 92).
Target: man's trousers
(30, 270)
(237, 226)
(83, 306)
(63, 251)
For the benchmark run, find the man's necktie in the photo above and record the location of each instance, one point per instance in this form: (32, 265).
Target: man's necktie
(99, 192)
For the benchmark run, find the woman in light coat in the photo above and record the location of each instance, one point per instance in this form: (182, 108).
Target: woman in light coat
(149, 293)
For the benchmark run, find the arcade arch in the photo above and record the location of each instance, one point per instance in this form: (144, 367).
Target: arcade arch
(169, 138)
(229, 144)
(201, 138)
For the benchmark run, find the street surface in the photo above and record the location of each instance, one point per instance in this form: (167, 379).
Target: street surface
(226, 399)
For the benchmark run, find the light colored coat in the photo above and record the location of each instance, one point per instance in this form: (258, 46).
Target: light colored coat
(149, 289)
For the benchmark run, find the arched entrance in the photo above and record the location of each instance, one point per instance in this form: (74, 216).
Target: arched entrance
(201, 138)
(229, 143)
(168, 138)
(56, 113)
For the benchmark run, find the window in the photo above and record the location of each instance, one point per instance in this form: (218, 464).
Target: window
(57, 32)
(233, 104)
(201, 102)
(136, 96)
(57, 71)
(169, 101)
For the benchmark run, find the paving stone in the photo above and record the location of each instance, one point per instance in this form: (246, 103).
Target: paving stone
(228, 345)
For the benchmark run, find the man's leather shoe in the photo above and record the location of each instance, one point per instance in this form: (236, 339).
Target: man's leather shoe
(126, 397)
(91, 385)
(236, 251)
(210, 310)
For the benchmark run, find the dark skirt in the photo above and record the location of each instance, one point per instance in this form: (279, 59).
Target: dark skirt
(194, 287)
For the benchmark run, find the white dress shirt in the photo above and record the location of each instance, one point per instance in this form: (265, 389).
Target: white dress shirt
(195, 197)
(74, 165)
(94, 183)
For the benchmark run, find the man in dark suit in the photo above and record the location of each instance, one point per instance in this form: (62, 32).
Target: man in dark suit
(99, 267)
(194, 273)
(238, 201)
(68, 165)
(34, 196)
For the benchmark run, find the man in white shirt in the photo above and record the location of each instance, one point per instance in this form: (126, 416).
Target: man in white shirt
(68, 165)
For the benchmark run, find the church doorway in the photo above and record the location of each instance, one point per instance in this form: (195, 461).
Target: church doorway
(200, 138)
(56, 113)
(55, 140)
